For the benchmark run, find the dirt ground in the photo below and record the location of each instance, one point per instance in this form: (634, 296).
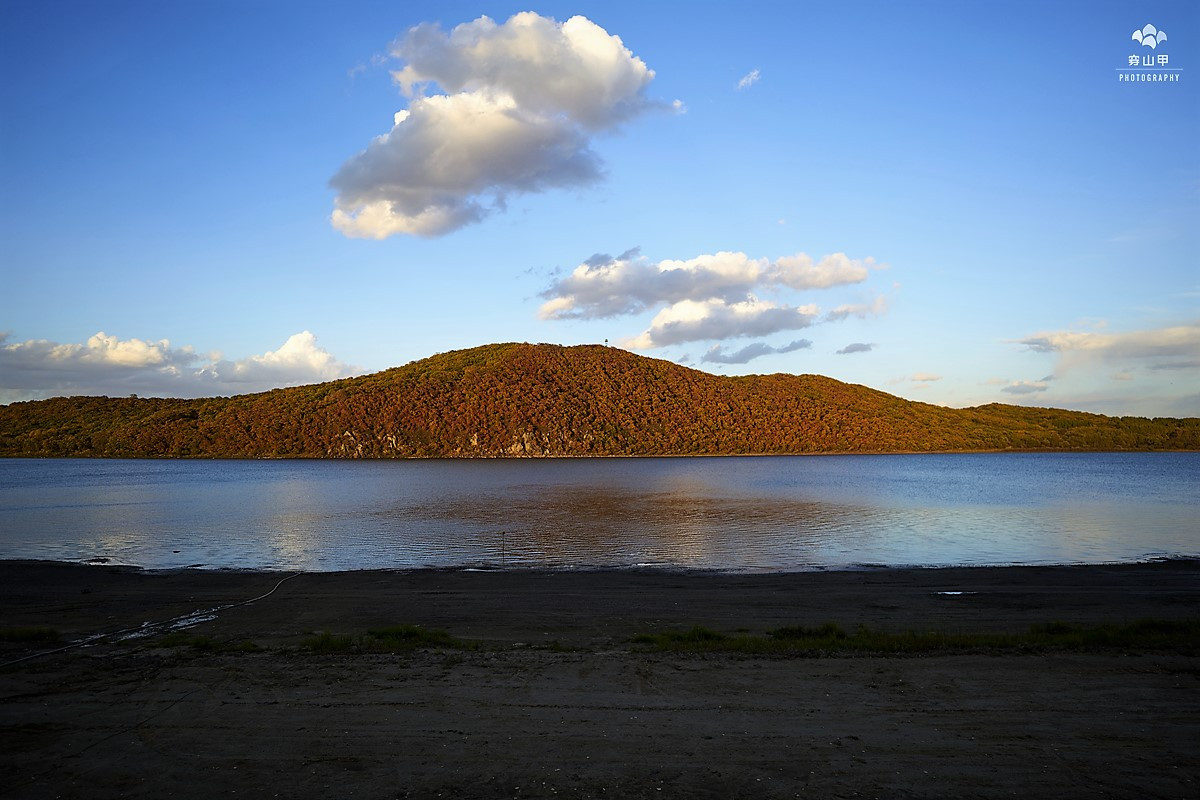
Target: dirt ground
(556, 701)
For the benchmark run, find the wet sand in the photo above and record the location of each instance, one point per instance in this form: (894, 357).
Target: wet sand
(556, 702)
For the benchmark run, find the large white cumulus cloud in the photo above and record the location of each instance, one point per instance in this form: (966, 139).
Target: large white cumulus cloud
(708, 297)
(300, 360)
(100, 354)
(521, 101)
(606, 287)
(107, 365)
(575, 68)
(692, 321)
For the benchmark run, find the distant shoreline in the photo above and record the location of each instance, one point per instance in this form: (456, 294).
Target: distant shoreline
(822, 454)
(1182, 559)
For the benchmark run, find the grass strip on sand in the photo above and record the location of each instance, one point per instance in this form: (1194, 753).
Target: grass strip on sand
(1182, 636)
(1174, 636)
(393, 639)
(204, 643)
(28, 635)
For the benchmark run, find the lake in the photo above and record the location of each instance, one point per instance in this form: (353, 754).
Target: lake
(743, 514)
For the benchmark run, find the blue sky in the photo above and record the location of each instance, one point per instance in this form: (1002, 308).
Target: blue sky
(959, 203)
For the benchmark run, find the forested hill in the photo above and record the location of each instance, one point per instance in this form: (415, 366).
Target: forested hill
(545, 400)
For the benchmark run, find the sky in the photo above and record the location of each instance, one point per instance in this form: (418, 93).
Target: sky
(957, 203)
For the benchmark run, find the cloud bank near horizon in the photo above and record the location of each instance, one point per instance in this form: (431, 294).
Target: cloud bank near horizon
(1170, 348)
(521, 103)
(106, 365)
(1127, 372)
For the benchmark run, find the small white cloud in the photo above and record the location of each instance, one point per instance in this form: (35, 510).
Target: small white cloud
(919, 380)
(1025, 387)
(717, 355)
(1179, 363)
(837, 269)
(856, 347)
(794, 345)
(861, 310)
(748, 80)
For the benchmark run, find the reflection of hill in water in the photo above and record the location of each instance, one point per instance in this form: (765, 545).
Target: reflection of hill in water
(544, 400)
(751, 513)
(589, 526)
(767, 513)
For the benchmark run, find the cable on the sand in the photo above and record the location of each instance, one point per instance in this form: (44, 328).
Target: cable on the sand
(148, 628)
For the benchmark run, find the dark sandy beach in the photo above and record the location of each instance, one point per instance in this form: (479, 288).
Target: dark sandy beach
(555, 701)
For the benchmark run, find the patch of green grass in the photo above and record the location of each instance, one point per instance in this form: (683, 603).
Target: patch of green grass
(410, 637)
(28, 635)
(394, 639)
(181, 639)
(698, 637)
(705, 640)
(203, 643)
(1147, 634)
(326, 642)
(827, 631)
(830, 639)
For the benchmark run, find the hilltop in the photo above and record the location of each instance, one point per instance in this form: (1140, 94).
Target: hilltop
(545, 400)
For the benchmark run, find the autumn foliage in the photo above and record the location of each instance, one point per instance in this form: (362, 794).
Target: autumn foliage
(544, 400)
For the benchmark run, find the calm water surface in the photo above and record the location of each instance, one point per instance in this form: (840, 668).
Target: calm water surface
(735, 514)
